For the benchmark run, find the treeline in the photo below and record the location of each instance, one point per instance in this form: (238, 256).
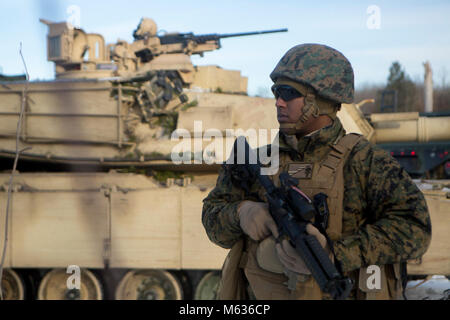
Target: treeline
(410, 95)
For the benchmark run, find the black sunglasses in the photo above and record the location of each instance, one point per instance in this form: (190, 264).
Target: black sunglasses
(285, 92)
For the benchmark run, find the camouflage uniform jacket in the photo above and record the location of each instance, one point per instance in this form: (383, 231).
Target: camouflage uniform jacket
(385, 216)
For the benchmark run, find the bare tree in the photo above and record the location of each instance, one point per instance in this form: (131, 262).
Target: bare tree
(443, 77)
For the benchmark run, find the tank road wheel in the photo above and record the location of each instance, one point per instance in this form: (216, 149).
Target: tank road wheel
(149, 285)
(207, 287)
(12, 285)
(54, 286)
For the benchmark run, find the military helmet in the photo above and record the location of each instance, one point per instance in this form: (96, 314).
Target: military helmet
(146, 28)
(323, 68)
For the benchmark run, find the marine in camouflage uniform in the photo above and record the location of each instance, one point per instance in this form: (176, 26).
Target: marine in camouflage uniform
(385, 219)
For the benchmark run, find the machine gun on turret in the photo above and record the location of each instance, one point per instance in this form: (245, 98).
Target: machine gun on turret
(185, 38)
(186, 43)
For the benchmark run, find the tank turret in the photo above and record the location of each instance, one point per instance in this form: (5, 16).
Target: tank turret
(116, 105)
(78, 54)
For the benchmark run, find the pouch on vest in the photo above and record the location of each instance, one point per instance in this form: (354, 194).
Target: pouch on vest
(267, 285)
(232, 284)
(267, 257)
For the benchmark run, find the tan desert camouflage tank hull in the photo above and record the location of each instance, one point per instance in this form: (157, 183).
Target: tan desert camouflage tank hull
(93, 123)
(135, 222)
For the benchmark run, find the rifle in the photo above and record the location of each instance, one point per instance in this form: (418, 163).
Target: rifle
(292, 211)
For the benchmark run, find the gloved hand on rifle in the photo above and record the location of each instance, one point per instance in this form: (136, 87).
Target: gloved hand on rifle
(289, 257)
(256, 221)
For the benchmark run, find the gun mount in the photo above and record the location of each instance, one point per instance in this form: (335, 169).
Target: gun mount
(78, 54)
(186, 39)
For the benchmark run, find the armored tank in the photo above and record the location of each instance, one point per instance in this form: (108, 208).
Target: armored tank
(109, 188)
(419, 141)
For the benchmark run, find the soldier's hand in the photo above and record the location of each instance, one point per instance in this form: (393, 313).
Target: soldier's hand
(255, 220)
(289, 257)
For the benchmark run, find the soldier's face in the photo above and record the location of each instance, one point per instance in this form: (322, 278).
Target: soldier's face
(289, 111)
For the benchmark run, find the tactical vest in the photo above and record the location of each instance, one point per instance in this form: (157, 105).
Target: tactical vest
(326, 176)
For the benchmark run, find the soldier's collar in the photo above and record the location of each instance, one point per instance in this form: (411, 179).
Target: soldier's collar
(325, 136)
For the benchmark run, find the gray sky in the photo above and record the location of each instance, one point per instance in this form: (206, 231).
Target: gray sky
(371, 34)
